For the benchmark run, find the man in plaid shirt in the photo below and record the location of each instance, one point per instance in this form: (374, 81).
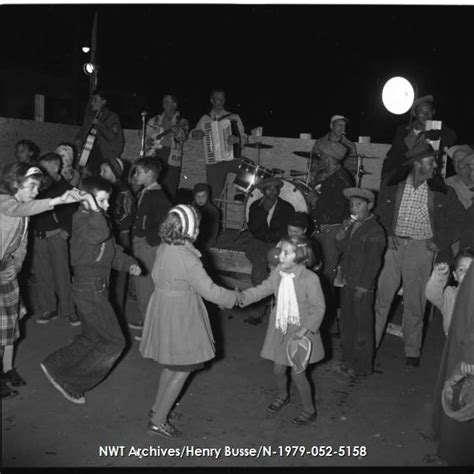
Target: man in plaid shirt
(422, 217)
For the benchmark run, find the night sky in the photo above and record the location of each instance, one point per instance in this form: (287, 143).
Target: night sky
(286, 68)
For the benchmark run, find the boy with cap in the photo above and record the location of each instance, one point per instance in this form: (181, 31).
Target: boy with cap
(122, 212)
(361, 240)
(210, 217)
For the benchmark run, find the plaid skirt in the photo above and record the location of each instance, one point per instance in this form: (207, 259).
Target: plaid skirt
(11, 309)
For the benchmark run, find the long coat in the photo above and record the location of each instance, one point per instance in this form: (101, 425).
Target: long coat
(456, 438)
(176, 330)
(310, 298)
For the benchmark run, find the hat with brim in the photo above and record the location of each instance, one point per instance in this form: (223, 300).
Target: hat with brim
(298, 351)
(333, 149)
(359, 192)
(459, 151)
(338, 117)
(267, 182)
(199, 187)
(421, 100)
(418, 153)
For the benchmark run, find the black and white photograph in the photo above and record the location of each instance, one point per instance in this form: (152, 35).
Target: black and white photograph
(237, 235)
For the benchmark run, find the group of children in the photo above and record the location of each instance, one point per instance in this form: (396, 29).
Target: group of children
(172, 282)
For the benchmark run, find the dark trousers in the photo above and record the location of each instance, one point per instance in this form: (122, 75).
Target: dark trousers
(119, 280)
(83, 364)
(330, 257)
(170, 175)
(94, 161)
(216, 175)
(257, 253)
(357, 330)
(53, 276)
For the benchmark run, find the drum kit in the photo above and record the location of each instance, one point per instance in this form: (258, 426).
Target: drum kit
(297, 189)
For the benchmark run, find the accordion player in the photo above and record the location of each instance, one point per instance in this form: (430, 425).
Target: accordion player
(217, 144)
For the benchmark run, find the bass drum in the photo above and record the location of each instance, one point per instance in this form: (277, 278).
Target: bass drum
(294, 191)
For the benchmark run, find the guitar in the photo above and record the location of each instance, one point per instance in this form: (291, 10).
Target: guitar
(153, 142)
(89, 142)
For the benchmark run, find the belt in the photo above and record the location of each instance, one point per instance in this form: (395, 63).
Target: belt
(46, 233)
(403, 237)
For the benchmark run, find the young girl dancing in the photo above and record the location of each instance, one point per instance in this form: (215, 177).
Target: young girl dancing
(176, 331)
(298, 313)
(19, 187)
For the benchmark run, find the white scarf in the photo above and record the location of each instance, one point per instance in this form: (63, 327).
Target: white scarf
(287, 305)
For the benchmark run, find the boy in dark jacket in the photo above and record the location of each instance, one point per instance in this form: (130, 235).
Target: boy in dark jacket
(362, 242)
(122, 213)
(77, 368)
(50, 249)
(152, 208)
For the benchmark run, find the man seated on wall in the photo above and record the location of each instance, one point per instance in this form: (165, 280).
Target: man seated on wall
(268, 223)
(413, 134)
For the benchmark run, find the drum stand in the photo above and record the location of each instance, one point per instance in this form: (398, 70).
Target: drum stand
(244, 222)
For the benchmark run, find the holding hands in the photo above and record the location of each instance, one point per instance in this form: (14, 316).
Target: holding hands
(135, 270)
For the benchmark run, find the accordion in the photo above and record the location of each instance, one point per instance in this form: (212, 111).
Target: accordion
(216, 141)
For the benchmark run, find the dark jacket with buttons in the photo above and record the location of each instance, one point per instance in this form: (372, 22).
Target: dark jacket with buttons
(446, 213)
(278, 227)
(362, 254)
(93, 249)
(153, 207)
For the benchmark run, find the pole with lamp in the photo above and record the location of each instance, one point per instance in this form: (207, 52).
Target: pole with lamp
(91, 68)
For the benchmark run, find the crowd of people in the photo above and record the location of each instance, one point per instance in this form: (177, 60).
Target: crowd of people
(70, 236)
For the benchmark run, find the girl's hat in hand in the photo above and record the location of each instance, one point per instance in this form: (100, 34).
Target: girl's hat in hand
(298, 351)
(188, 217)
(457, 399)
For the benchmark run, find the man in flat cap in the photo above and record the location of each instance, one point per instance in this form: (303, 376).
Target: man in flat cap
(361, 240)
(414, 134)
(422, 218)
(337, 133)
(328, 213)
(210, 217)
(268, 221)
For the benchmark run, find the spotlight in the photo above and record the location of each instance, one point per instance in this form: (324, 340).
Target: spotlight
(398, 95)
(85, 49)
(88, 69)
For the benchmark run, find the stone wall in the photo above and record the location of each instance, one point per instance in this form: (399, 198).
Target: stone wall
(48, 135)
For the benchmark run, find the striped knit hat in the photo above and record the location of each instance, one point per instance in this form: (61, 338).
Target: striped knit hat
(116, 165)
(188, 217)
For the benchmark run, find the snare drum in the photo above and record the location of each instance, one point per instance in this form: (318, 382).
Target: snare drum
(296, 192)
(249, 176)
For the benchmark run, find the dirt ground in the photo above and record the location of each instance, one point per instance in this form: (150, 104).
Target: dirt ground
(223, 407)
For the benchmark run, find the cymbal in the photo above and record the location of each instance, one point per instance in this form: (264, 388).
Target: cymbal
(304, 154)
(262, 146)
(363, 157)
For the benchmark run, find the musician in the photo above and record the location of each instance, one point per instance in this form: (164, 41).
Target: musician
(168, 148)
(217, 172)
(337, 133)
(268, 223)
(330, 209)
(413, 134)
(109, 138)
